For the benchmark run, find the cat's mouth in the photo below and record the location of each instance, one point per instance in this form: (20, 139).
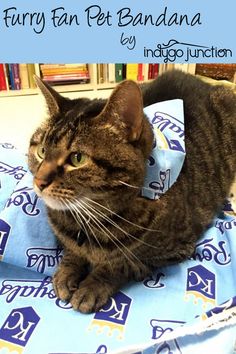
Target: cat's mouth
(53, 202)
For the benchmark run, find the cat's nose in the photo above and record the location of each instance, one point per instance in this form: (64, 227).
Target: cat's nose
(45, 175)
(41, 183)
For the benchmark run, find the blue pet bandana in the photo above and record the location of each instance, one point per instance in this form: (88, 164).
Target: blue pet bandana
(167, 157)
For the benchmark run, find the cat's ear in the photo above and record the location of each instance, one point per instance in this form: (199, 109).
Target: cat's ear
(52, 97)
(124, 109)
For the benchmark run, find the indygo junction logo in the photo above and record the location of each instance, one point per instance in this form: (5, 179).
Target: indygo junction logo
(175, 50)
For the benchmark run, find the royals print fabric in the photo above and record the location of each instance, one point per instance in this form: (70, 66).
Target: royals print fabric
(185, 308)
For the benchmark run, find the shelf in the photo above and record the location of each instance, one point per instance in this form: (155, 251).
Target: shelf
(106, 86)
(59, 88)
(12, 93)
(93, 88)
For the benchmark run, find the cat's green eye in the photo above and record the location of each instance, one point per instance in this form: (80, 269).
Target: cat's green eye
(41, 152)
(76, 159)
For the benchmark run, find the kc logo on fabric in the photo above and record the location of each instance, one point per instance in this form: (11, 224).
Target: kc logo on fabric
(113, 315)
(5, 229)
(18, 328)
(201, 283)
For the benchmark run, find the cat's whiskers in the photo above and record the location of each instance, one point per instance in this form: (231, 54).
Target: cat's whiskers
(100, 245)
(111, 236)
(120, 217)
(135, 187)
(87, 222)
(112, 222)
(78, 218)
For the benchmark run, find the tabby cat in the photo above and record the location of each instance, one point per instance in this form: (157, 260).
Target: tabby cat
(88, 161)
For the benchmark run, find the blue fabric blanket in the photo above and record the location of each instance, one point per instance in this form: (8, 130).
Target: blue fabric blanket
(185, 308)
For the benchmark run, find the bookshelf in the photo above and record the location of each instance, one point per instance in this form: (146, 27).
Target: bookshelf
(99, 77)
(93, 85)
(132, 71)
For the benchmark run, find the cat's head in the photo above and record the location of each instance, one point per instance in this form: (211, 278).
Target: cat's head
(92, 149)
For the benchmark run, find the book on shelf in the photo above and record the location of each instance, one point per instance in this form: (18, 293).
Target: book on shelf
(105, 73)
(124, 66)
(111, 73)
(145, 72)
(24, 76)
(7, 74)
(66, 79)
(100, 76)
(11, 77)
(150, 71)
(15, 76)
(51, 69)
(61, 74)
(3, 81)
(153, 71)
(132, 71)
(31, 73)
(118, 72)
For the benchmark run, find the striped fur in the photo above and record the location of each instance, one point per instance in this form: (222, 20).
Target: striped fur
(127, 236)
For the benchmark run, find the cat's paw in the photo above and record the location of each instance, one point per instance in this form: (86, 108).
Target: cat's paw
(90, 296)
(65, 283)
